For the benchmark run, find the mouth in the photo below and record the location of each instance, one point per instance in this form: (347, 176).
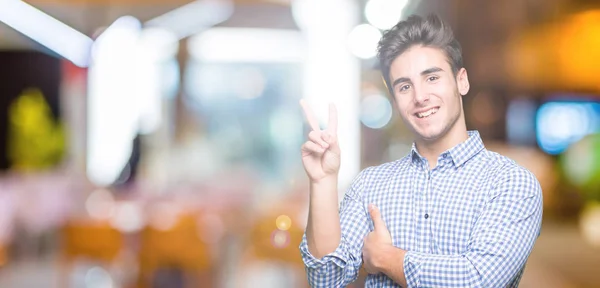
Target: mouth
(428, 113)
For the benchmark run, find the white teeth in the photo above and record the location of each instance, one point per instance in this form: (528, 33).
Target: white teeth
(427, 113)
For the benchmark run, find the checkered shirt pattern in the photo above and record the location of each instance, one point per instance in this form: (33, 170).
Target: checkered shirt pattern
(469, 222)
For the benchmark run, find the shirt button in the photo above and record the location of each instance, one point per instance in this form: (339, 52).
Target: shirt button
(426, 215)
(445, 155)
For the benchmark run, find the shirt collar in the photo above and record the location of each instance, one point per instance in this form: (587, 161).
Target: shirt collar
(460, 153)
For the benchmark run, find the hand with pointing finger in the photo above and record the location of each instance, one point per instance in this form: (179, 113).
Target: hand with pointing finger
(377, 243)
(321, 153)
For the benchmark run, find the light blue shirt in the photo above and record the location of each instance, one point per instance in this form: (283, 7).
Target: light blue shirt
(471, 221)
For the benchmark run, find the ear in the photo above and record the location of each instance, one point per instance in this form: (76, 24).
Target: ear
(462, 81)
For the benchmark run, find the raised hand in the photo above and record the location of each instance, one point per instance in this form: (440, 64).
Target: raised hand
(321, 153)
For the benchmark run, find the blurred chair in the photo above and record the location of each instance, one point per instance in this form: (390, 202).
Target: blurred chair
(276, 235)
(272, 243)
(177, 248)
(97, 241)
(3, 255)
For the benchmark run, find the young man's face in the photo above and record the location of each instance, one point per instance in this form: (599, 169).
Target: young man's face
(427, 93)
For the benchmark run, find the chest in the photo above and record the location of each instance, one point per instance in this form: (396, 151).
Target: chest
(432, 211)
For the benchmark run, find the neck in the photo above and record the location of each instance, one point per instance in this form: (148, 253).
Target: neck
(431, 149)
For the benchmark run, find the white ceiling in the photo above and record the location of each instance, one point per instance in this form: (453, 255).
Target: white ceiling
(85, 18)
(88, 18)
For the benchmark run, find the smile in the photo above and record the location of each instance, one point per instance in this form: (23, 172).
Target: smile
(427, 113)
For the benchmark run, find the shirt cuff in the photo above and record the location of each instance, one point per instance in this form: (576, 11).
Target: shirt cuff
(412, 267)
(338, 257)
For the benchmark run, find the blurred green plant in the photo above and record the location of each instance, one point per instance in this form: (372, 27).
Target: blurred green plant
(35, 140)
(581, 166)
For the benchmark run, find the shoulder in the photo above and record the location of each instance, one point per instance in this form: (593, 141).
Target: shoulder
(509, 176)
(385, 170)
(374, 174)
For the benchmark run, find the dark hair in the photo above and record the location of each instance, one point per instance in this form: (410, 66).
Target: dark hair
(416, 30)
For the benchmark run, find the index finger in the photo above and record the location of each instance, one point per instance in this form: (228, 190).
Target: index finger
(310, 117)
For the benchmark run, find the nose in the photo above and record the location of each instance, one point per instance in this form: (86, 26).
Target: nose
(421, 95)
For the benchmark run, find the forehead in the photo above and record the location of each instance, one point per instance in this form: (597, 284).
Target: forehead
(416, 59)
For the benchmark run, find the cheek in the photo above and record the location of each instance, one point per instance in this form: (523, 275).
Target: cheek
(403, 105)
(403, 111)
(443, 89)
(447, 94)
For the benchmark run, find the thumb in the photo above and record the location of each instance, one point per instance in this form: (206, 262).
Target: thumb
(378, 223)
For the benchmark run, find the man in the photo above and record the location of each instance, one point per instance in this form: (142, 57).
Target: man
(449, 214)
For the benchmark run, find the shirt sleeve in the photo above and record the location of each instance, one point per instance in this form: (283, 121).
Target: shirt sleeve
(502, 240)
(340, 268)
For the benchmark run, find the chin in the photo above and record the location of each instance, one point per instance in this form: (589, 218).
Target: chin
(431, 134)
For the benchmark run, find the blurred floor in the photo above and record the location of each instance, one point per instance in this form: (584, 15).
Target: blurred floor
(560, 259)
(43, 273)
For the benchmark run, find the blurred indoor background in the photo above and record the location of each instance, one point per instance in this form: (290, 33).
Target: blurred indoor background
(155, 143)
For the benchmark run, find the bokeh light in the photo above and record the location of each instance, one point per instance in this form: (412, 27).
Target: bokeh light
(163, 215)
(283, 222)
(128, 217)
(100, 204)
(375, 111)
(98, 278)
(384, 14)
(280, 239)
(578, 164)
(363, 41)
(590, 224)
(581, 165)
(560, 124)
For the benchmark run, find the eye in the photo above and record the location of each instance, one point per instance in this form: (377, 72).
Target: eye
(432, 78)
(404, 87)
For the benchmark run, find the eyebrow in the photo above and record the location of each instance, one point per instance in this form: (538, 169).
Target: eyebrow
(424, 72)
